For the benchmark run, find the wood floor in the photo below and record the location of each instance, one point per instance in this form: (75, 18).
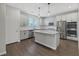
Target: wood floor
(29, 48)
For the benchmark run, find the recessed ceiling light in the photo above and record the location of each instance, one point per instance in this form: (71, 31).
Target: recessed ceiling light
(69, 6)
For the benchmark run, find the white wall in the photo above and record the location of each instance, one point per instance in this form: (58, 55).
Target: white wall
(46, 20)
(50, 19)
(78, 28)
(12, 25)
(2, 29)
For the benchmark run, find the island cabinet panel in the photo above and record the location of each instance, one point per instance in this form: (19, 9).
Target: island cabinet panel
(46, 39)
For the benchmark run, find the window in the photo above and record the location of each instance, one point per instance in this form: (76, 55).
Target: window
(33, 22)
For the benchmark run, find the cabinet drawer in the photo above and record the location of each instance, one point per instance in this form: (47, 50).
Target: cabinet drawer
(24, 34)
(72, 38)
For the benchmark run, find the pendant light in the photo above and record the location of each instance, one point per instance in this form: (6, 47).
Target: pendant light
(48, 9)
(39, 11)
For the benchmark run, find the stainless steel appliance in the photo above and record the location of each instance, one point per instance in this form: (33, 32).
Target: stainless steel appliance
(72, 29)
(61, 27)
(31, 33)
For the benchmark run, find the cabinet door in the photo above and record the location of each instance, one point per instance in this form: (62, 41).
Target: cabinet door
(24, 35)
(12, 25)
(31, 33)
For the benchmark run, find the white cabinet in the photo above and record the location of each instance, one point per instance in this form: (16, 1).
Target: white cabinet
(47, 39)
(24, 34)
(72, 38)
(58, 18)
(31, 33)
(67, 17)
(12, 25)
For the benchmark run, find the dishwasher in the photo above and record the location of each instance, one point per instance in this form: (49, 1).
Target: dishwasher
(31, 33)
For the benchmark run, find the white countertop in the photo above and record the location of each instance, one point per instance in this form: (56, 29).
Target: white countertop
(46, 31)
(38, 28)
(26, 28)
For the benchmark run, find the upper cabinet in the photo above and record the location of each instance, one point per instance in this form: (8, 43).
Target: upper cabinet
(72, 17)
(68, 17)
(58, 18)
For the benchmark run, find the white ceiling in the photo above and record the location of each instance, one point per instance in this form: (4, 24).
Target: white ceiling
(54, 8)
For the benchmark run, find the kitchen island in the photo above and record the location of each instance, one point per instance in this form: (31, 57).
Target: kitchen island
(48, 38)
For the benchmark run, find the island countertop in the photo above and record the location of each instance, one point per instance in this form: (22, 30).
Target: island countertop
(46, 31)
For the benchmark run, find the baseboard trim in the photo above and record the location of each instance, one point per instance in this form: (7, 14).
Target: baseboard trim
(12, 42)
(18, 41)
(3, 53)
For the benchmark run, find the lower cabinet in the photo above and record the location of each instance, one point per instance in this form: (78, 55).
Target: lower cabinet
(31, 33)
(72, 38)
(24, 34)
(50, 40)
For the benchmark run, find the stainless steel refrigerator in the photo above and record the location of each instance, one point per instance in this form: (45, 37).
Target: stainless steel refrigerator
(61, 27)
